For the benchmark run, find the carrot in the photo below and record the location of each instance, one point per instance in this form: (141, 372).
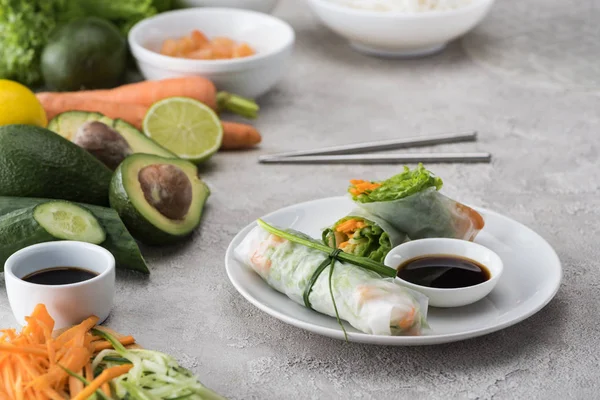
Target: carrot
(106, 389)
(11, 348)
(75, 385)
(34, 366)
(56, 103)
(143, 93)
(105, 344)
(360, 186)
(235, 135)
(239, 136)
(106, 375)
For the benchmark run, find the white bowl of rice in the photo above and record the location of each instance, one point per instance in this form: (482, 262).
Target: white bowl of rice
(400, 28)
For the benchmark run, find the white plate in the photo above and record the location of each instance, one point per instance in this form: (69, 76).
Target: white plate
(530, 280)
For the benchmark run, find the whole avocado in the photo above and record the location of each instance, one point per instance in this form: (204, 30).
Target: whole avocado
(88, 53)
(35, 162)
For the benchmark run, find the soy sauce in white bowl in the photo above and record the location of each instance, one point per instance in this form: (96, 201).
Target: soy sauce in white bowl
(443, 271)
(60, 276)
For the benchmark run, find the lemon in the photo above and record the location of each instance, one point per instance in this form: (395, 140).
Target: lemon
(185, 126)
(18, 105)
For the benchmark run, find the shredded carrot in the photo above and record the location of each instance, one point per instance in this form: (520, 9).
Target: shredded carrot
(105, 344)
(88, 373)
(359, 186)
(347, 226)
(33, 365)
(106, 375)
(106, 389)
(75, 385)
(343, 245)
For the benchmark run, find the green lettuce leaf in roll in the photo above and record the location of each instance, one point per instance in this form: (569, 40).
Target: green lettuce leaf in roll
(411, 203)
(364, 235)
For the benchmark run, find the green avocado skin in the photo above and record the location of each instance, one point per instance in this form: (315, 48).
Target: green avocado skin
(88, 53)
(18, 230)
(118, 240)
(141, 228)
(36, 162)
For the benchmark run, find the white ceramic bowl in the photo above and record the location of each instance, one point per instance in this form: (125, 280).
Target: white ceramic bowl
(272, 38)
(395, 34)
(67, 304)
(265, 6)
(449, 297)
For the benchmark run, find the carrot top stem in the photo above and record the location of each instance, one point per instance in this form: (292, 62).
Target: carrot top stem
(242, 106)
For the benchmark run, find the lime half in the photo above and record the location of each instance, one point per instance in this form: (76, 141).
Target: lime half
(185, 126)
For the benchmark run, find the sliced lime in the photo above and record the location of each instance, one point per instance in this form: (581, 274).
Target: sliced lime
(184, 126)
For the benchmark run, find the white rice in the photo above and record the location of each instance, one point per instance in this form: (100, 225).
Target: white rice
(408, 6)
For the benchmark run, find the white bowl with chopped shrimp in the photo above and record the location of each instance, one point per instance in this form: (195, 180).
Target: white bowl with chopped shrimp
(400, 28)
(271, 40)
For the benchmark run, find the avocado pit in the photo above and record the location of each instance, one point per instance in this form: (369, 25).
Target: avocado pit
(103, 142)
(167, 189)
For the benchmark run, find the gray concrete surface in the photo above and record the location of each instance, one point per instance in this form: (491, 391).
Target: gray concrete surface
(540, 121)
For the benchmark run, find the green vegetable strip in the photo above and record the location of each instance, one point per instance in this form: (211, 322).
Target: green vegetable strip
(137, 393)
(154, 375)
(119, 348)
(313, 280)
(362, 262)
(337, 314)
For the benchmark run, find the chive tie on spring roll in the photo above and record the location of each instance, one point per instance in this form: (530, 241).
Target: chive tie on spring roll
(362, 297)
(411, 202)
(363, 234)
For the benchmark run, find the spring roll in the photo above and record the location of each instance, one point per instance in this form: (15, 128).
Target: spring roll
(368, 302)
(411, 202)
(363, 234)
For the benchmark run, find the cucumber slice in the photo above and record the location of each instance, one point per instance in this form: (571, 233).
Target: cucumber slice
(69, 222)
(118, 240)
(47, 222)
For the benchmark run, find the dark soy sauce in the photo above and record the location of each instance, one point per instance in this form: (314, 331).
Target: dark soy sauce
(60, 276)
(443, 271)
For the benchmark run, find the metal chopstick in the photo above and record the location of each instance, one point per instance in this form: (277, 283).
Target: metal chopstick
(383, 158)
(379, 145)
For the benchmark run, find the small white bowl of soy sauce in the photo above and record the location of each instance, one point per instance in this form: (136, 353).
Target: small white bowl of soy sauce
(74, 280)
(450, 272)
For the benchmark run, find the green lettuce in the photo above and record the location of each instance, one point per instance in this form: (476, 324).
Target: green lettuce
(370, 241)
(25, 26)
(404, 184)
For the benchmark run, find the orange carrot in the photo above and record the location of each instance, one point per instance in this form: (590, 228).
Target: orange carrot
(105, 344)
(34, 366)
(75, 385)
(239, 136)
(143, 93)
(105, 376)
(106, 389)
(57, 103)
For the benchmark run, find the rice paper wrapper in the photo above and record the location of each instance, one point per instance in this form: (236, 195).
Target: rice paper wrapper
(368, 302)
(428, 214)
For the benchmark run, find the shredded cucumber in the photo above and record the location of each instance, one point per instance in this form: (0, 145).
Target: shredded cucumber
(154, 376)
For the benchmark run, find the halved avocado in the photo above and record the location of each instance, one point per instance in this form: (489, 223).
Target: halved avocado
(160, 200)
(71, 123)
(139, 142)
